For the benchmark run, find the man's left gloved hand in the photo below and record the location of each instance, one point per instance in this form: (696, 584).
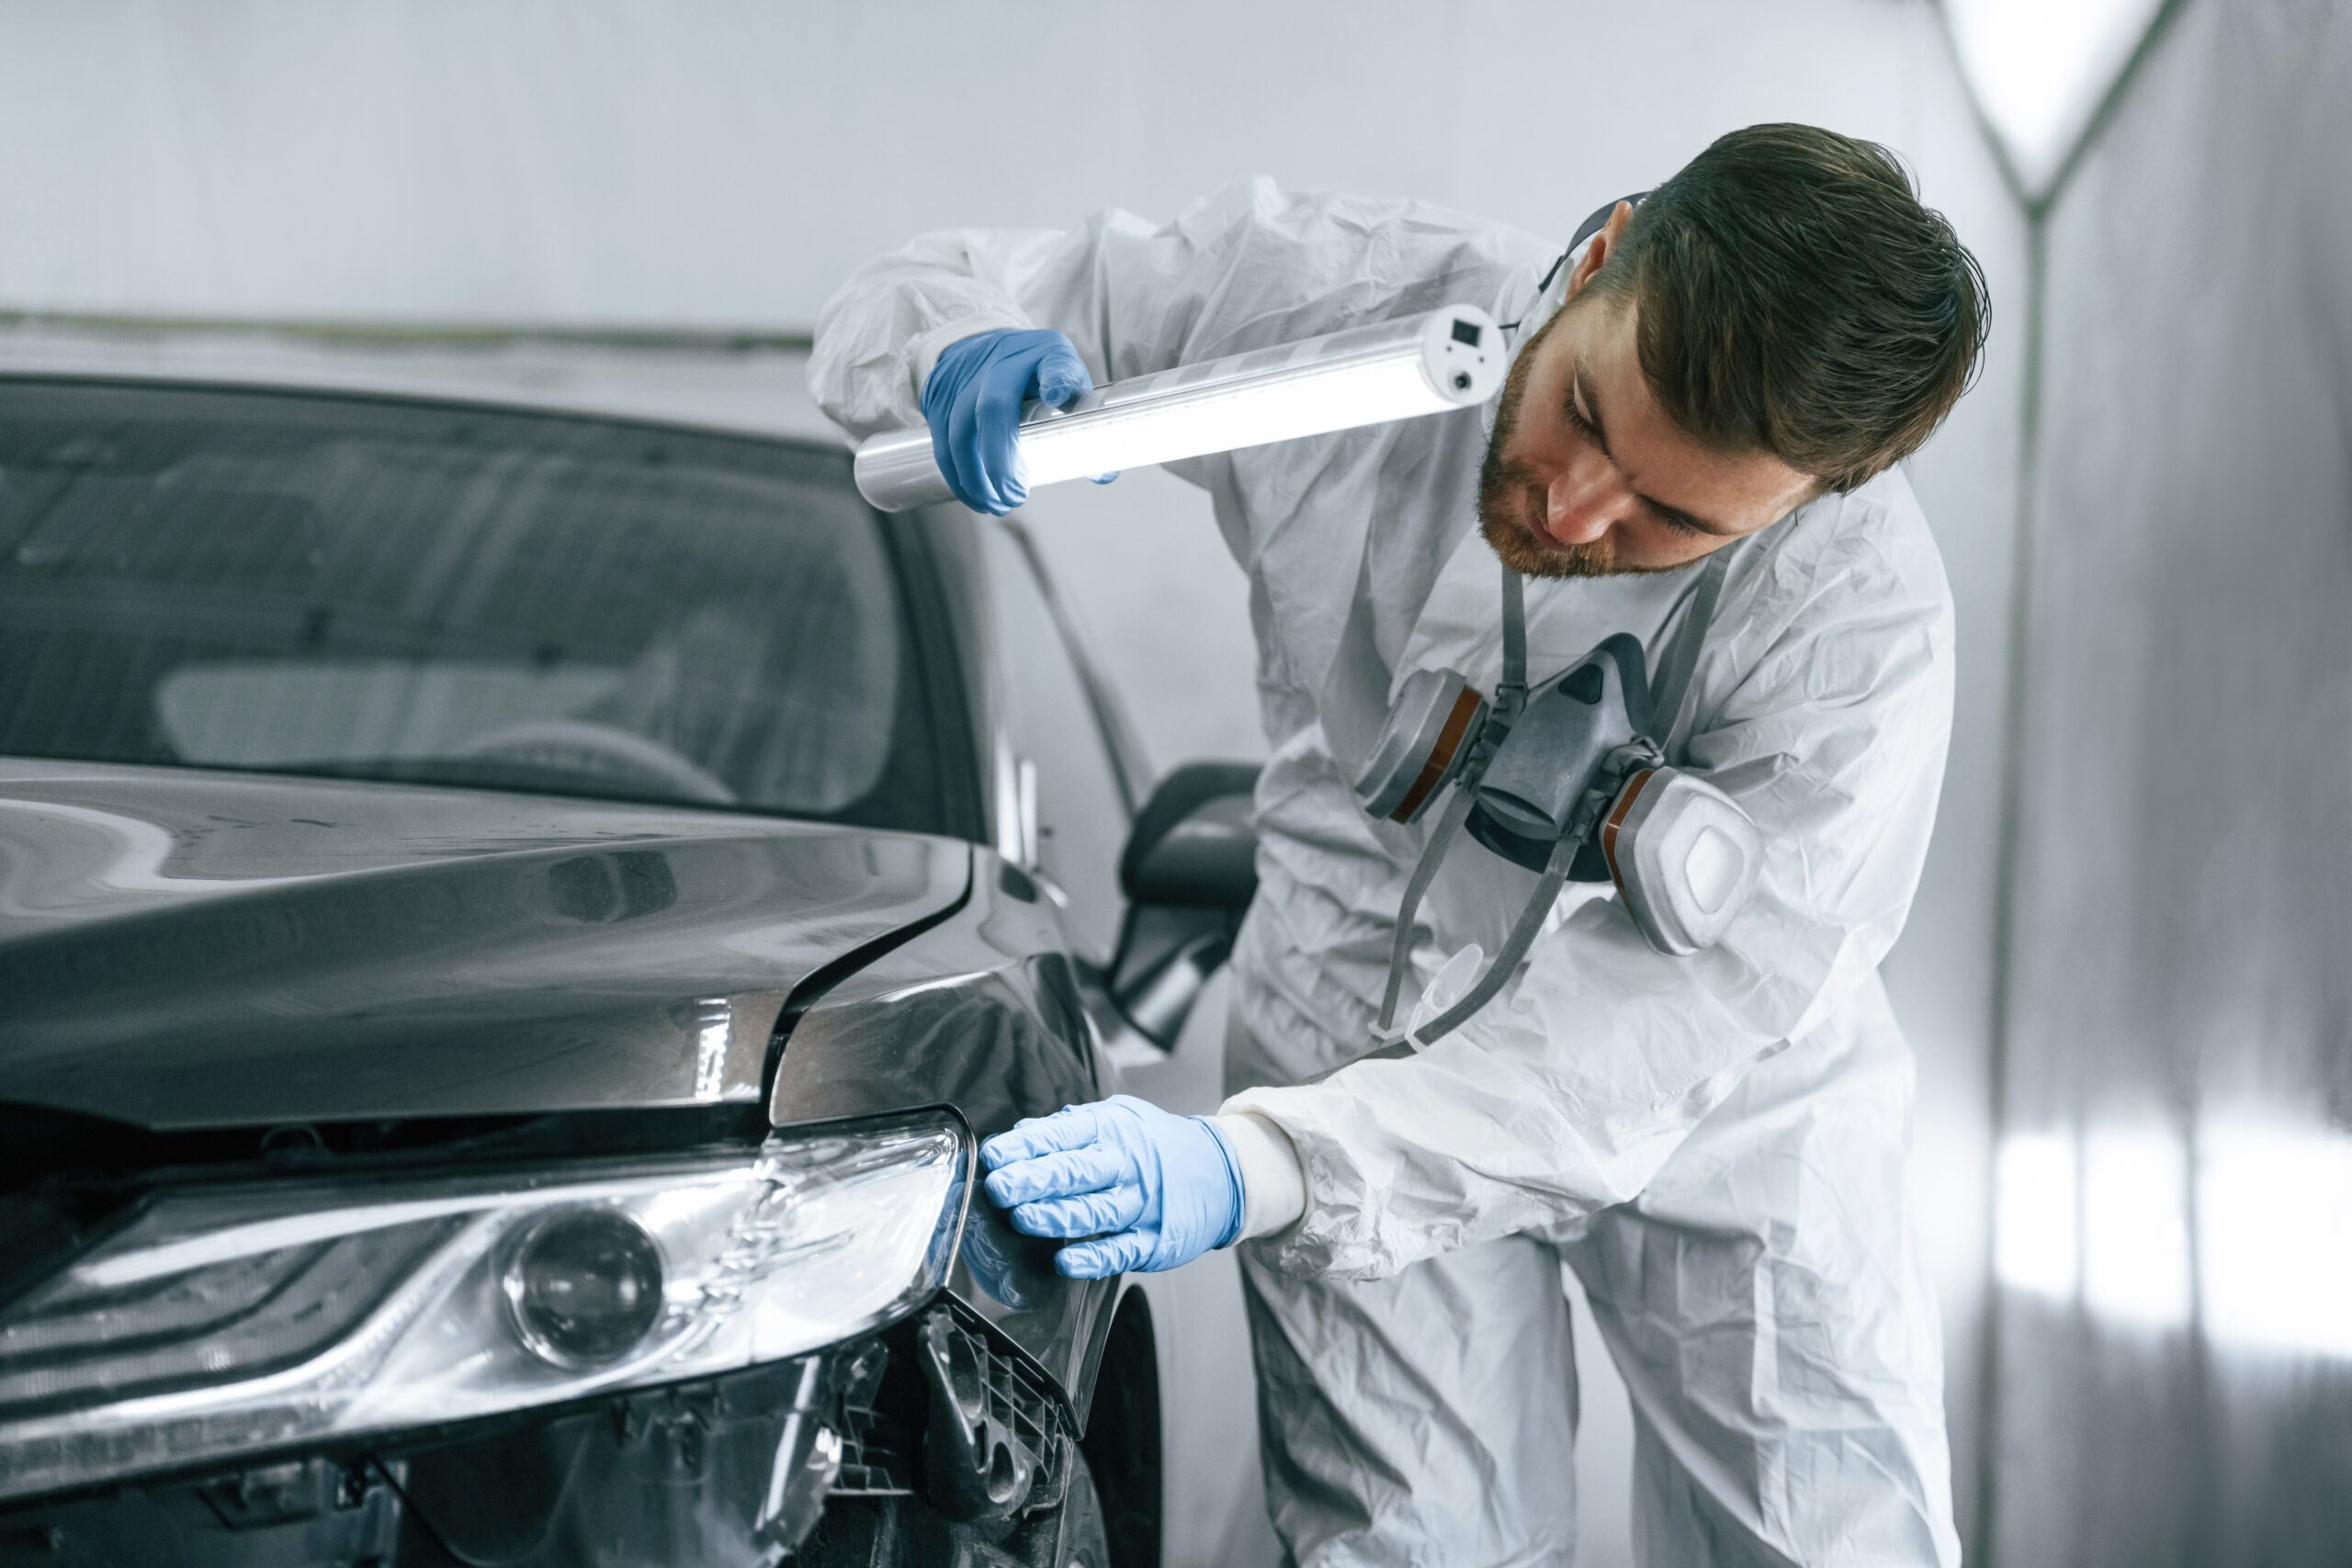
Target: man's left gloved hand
(1152, 1189)
(973, 403)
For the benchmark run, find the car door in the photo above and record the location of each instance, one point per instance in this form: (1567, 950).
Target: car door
(1063, 794)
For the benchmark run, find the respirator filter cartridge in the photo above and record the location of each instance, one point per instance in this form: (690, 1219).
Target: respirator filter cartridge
(1435, 719)
(1684, 857)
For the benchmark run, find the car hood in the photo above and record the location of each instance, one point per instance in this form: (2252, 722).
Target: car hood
(184, 949)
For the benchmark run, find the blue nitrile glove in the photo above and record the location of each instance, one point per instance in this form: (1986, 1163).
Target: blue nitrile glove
(972, 403)
(1153, 1189)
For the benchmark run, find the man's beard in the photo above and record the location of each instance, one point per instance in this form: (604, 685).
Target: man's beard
(1502, 487)
(1506, 489)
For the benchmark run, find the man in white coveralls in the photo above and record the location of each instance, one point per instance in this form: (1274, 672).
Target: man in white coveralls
(1716, 1142)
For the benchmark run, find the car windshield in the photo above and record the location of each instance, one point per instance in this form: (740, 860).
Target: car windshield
(445, 594)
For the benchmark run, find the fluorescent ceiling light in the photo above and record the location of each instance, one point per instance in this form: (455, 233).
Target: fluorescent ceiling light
(2040, 68)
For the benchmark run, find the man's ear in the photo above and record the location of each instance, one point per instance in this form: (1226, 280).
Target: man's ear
(1596, 253)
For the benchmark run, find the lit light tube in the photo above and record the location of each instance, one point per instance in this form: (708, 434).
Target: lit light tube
(1427, 364)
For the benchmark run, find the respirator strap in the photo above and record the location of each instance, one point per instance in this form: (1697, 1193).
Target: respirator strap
(1509, 699)
(1510, 696)
(1514, 952)
(1510, 693)
(1400, 949)
(1682, 660)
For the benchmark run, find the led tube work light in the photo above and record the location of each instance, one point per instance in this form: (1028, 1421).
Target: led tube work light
(1426, 364)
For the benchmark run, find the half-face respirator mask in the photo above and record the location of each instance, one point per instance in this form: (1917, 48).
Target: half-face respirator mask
(1570, 781)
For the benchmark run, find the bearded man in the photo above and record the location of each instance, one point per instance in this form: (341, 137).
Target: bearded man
(1713, 1143)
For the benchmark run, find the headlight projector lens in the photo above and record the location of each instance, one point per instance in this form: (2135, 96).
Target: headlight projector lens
(586, 1287)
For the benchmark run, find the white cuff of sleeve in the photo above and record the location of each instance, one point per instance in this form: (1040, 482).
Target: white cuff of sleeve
(1273, 1184)
(922, 354)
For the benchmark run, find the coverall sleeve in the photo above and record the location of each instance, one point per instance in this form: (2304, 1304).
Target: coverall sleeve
(1824, 710)
(1248, 266)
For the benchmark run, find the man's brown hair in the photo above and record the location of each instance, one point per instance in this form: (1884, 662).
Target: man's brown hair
(1795, 297)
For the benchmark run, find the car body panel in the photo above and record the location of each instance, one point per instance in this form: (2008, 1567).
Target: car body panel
(179, 947)
(980, 1010)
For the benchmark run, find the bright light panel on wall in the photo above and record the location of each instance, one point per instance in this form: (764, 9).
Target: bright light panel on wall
(2106, 1220)
(2039, 69)
(2034, 1247)
(2274, 1235)
(2135, 1228)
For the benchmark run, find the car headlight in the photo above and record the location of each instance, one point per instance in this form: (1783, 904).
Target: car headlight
(233, 1318)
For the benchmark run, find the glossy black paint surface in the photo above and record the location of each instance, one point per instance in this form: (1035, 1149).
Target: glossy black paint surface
(187, 949)
(981, 1011)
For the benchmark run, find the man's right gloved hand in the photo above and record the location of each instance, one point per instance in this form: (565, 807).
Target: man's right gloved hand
(972, 403)
(1150, 1189)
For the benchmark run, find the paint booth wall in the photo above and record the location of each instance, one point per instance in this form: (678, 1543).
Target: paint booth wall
(2174, 1326)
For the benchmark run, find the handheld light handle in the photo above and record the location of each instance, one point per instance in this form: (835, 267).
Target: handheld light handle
(1431, 362)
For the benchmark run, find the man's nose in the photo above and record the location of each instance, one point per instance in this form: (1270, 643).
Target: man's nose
(1584, 500)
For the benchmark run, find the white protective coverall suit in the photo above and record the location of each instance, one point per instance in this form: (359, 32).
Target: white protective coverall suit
(1715, 1144)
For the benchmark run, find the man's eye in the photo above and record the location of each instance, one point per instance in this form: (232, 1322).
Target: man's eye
(1679, 524)
(1576, 417)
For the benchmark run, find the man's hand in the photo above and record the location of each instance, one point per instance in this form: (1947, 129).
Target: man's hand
(973, 401)
(1153, 1189)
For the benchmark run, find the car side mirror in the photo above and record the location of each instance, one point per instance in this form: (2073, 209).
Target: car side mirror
(1189, 870)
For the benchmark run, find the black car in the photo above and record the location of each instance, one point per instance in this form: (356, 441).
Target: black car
(513, 924)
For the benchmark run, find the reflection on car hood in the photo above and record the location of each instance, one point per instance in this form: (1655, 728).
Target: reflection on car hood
(187, 949)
